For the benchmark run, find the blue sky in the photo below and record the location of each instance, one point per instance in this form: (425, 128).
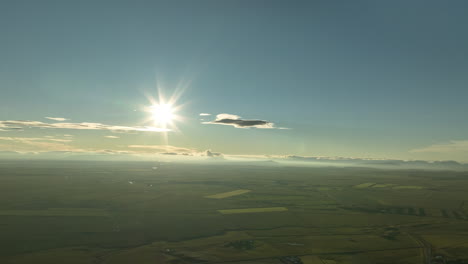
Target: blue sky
(378, 79)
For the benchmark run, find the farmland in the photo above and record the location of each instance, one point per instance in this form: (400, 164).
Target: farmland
(127, 212)
(253, 210)
(227, 194)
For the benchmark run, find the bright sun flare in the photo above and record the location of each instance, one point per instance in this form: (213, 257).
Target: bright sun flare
(163, 114)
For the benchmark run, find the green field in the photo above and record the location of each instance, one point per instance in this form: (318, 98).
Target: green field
(126, 212)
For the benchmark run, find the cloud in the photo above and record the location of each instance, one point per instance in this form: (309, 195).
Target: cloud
(48, 145)
(111, 137)
(31, 144)
(26, 139)
(163, 148)
(57, 148)
(380, 163)
(209, 153)
(12, 128)
(204, 114)
(9, 128)
(80, 126)
(452, 146)
(206, 153)
(35, 149)
(57, 118)
(236, 121)
(173, 151)
(51, 146)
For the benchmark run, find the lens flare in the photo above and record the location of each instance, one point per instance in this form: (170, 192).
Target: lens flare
(162, 114)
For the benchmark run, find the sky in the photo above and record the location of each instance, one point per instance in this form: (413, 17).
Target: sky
(365, 79)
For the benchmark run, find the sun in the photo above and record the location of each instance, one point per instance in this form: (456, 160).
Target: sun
(162, 114)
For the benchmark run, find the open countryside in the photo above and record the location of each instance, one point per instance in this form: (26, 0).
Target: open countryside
(320, 215)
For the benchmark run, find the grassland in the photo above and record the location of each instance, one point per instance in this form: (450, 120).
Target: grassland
(88, 212)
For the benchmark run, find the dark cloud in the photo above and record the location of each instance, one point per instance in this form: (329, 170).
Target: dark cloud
(242, 123)
(209, 153)
(4, 128)
(236, 121)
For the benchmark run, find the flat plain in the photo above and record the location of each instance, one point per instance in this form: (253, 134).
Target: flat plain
(127, 212)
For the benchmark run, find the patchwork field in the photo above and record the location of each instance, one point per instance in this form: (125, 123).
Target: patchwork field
(127, 212)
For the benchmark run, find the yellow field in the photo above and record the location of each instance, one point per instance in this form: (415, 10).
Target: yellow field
(253, 210)
(383, 185)
(386, 185)
(56, 212)
(364, 185)
(227, 194)
(408, 187)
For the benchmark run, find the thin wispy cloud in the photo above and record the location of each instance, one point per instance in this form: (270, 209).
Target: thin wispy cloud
(51, 146)
(79, 126)
(204, 114)
(40, 149)
(9, 128)
(57, 118)
(238, 122)
(163, 148)
(36, 144)
(173, 150)
(62, 151)
(111, 137)
(452, 146)
(29, 139)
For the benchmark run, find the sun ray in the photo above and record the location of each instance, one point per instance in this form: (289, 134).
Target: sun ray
(163, 112)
